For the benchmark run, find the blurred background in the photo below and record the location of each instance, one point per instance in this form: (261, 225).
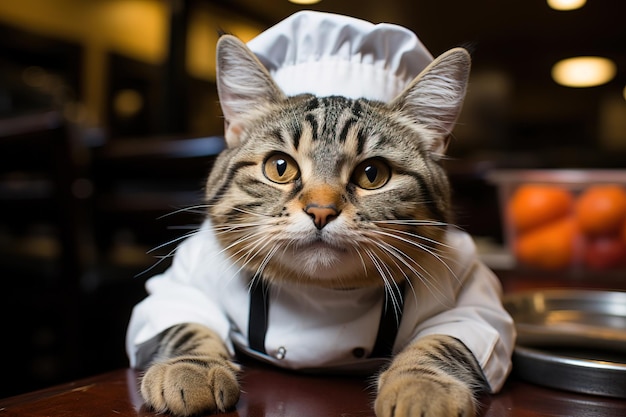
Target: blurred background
(109, 122)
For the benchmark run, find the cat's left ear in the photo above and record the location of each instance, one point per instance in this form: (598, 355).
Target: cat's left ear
(435, 97)
(244, 86)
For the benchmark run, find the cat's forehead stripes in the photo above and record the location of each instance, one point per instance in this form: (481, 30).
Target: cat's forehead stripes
(334, 121)
(345, 129)
(330, 139)
(312, 121)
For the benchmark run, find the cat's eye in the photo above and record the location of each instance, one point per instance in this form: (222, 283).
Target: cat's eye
(371, 174)
(281, 168)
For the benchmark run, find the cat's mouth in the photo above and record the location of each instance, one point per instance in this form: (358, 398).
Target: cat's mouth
(321, 245)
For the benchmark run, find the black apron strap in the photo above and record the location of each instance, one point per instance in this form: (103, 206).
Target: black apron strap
(259, 313)
(390, 319)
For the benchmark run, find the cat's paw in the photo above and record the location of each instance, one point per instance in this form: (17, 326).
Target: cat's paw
(411, 395)
(191, 384)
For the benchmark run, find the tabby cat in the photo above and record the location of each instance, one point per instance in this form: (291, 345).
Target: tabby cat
(315, 200)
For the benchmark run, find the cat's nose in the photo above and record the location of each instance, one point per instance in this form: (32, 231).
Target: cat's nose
(321, 215)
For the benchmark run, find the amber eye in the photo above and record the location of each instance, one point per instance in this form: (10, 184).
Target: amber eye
(281, 168)
(371, 174)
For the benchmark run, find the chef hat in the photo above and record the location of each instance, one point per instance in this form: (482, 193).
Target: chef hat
(327, 54)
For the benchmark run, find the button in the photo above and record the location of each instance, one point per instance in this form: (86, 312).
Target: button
(358, 352)
(280, 353)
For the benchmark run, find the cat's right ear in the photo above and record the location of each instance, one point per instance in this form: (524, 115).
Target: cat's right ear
(244, 86)
(435, 97)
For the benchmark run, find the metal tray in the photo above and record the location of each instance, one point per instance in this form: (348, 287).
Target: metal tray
(571, 339)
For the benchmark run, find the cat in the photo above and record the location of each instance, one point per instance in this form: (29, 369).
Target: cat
(320, 199)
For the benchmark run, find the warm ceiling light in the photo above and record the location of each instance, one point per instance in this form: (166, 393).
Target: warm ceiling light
(304, 1)
(566, 4)
(584, 71)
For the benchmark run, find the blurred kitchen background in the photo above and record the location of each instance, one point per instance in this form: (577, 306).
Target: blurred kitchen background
(109, 121)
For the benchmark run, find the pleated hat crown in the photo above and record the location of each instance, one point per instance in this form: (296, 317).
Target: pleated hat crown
(327, 54)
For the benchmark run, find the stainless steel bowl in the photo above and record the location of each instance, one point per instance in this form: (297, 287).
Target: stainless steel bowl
(571, 339)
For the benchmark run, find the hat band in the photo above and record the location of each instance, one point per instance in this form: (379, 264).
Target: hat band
(340, 78)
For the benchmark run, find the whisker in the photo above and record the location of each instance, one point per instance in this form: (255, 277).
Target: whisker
(236, 229)
(399, 255)
(374, 259)
(190, 209)
(270, 254)
(171, 253)
(416, 236)
(417, 245)
(184, 227)
(386, 278)
(403, 257)
(412, 222)
(247, 254)
(252, 213)
(161, 259)
(252, 252)
(256, 230)
(426, 277)
(424, 238)
(175, 240)
(357, 248)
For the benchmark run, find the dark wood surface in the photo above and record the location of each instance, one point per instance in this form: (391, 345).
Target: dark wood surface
(270, 392)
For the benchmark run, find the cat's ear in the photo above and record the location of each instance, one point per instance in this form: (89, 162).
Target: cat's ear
(435, 97)
(243, 84)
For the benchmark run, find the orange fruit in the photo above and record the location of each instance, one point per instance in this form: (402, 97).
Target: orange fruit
(548, 247)
(601, 209)
(535, 205)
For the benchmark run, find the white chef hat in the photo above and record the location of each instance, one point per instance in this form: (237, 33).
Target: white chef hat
(327, 54)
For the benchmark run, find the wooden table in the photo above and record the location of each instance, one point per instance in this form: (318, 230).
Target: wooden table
(270, 392)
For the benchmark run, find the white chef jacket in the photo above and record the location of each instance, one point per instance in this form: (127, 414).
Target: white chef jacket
(313, 328)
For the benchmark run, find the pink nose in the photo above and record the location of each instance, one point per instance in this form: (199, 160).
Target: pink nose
(321, 215)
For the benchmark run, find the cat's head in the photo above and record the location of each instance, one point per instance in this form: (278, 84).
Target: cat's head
(328, 190)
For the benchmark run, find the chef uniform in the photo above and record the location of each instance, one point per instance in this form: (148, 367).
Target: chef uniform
(320, 329)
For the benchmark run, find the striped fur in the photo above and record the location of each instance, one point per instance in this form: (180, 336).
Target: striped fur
(324, 225)
(435, 376)
(191, 373)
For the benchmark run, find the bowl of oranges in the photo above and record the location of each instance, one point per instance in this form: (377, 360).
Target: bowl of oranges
(564, 219)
